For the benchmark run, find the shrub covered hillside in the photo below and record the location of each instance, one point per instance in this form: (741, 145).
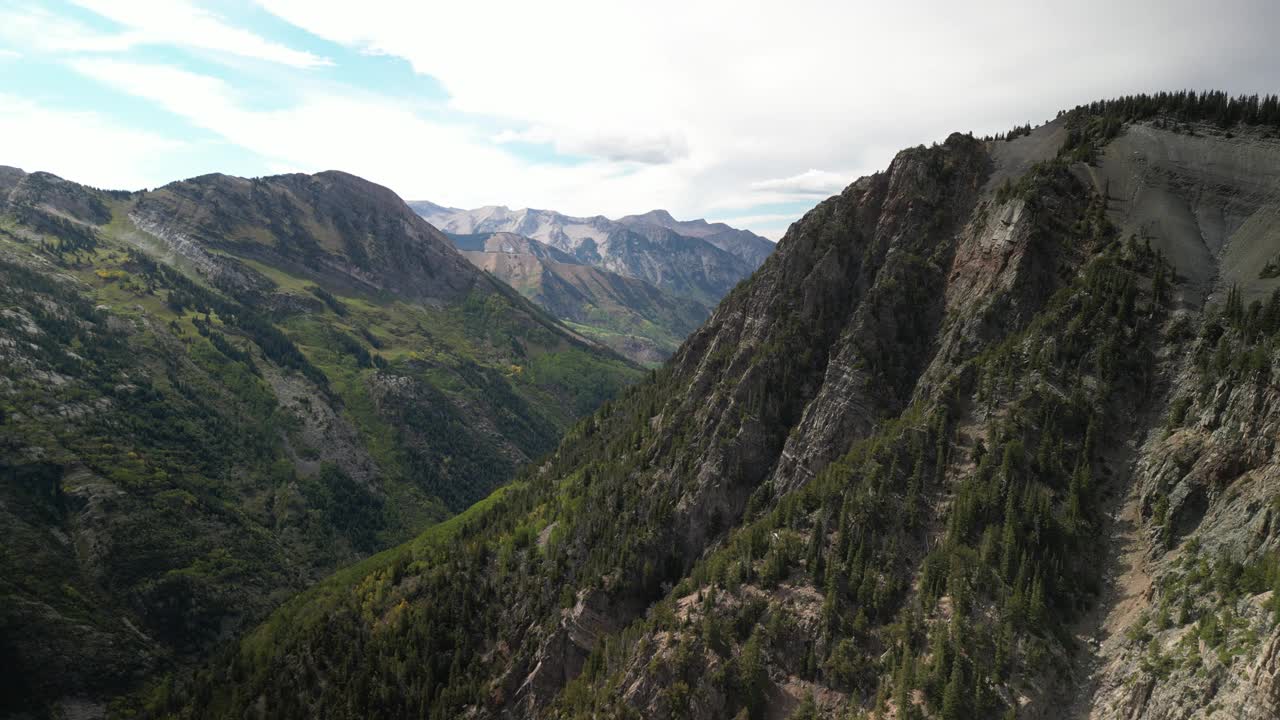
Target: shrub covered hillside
(980, 439)
(215, 393)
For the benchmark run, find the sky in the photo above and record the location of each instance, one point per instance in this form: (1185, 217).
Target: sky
(745, 112)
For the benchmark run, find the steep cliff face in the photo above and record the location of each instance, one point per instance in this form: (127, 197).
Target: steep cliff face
(977, 440)
(876, 560)
(1192, 614)
(919, 208)
(758, 371)
(1190, 622)
(1174, 619)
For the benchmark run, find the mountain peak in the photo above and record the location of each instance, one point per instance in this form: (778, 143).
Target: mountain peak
(742, 243)
(694, 260)
(52, 193)
(336, 224)
(658, 215)
(9, 178)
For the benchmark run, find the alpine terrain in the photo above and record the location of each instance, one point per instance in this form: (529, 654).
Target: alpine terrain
(215, 393)
(631, 316)
(992, 433)
(697, 260)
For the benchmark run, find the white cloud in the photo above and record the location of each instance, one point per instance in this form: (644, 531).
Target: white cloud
(39, 29)
(382, 140)
(7, 54)
(767, 225)
(146, 22)
(810, 183)
(771, 233)
(82, 146)
(754, 220)
(653, 150)
(758, 90)
(714, 107)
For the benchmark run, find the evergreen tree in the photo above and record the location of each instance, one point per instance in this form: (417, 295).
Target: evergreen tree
(953, 697)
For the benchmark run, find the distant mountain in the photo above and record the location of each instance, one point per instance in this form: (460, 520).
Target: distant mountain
(701, 261)
(214, 393)
(743, 243)
(424, 208)
(634, 317)
(336, 226)
(511, 244)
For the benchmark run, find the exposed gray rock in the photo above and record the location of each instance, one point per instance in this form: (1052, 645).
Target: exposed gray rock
(695, 259)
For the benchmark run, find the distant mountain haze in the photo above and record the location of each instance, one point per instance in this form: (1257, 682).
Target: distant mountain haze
(743, 243)
(695, 259)
(632, 316)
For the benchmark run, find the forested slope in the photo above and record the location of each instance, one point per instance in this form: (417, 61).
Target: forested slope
(215, 393)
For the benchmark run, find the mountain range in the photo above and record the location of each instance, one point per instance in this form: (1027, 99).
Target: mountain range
(745, 244)
(992, 433)
(215, 393)
(696, 260)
